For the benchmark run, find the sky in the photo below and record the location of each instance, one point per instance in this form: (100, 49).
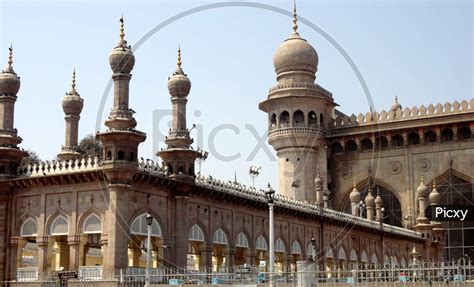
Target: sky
(419, 51)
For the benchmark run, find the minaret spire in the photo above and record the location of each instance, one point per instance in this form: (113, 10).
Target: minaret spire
(295, 19)
(73, 83)
(9, 67)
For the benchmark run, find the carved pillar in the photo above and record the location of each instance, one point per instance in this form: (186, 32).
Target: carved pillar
(230, 256)
(74, 242)
(249, 255)
(205, 261)
(455, 132)
(438, 134)
(421, 133)
(181, 235)
(44, 253)
(63, 255)
(16, 248)
(405, 138)
(167, 247)
(287, 263)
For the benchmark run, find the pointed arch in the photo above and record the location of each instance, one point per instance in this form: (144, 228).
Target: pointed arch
(328, 253)
(139, 226)
(242, 240)
(261, 243)
(363, 257)
(29, 228)
(49, 221)
(92, 224)
(23, 218)
(280, 246)
(353, 255)
(59, 226)
(341, 255)
(296, 247)
(374, 259)
(156, 217)
(196, 233)
(219, 237)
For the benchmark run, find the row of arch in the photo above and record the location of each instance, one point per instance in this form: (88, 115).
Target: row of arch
(397, 140)
(297, 119)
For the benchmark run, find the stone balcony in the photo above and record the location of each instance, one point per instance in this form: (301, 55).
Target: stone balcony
(285, 130)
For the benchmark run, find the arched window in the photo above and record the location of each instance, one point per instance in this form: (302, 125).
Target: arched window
(2, 169)
(366, 144)
(353, 255)
(29, 228)
(273, 120)
(374, 259)
(403, 262)
(219, 237)
(279, 246)
(321, 120)
(447, 135)
(312, 120)
(336, 147)
(284, 119)
(298, 119)
(109, 155)
(242, 241)
(381, 142)
(139, 226)
(342, 254)
(59, 226)
(120, 155)
(261, 243)
(464, 133)
(92, 225)
(363, 257)
(413, 138)
(196, 234)
(397, 140)
(430, 137)
(296, 248)
(132, 156)
(351, 145)
(328, 252)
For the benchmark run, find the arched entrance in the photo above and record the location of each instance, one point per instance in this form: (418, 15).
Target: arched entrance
(261, 247)
(241, 249)
(27, 251)
(196, 242)
(220, 246)
(93, 253)
(137, 247)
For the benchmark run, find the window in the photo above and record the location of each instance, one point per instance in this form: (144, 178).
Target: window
(29, 228)
(363, 257)
(397, 140)
(312, 120)
(196, 234)
(298, 119)
(413, 138)
(219, 237)
(430, 137)
(139, 226)
(336, 147)
(353, 255)
(242, 241)
(447, 135)
(261, 243)
(351, 145)
(279, 246)
(342, 254)
(296, 248)
(284, 119)
(92, 224)
(381, 142)
(366, 144)
(120, 155)
(273, 120)
(59, 226)
(464, 133)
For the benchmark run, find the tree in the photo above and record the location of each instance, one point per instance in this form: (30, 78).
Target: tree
(89, 146)
(32, 158)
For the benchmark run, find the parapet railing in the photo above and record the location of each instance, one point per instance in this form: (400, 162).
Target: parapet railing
(437, 110)
(252, 193)
(59, 167)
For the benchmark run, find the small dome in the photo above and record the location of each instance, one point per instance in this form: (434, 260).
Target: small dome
(396, 105)
(295, 54)
(318, 180)
(422, 190)
(435, 196)
(9, 81)
(378, 200)
(355, 195)
(369, 199)
(72, 101)
(121, 58)
(179, 84)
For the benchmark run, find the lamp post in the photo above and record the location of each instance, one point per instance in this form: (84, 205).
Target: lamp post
(270, 194)
(313, 246)
(361, 208)
(201, 156)
(254, 171)
(149, 221)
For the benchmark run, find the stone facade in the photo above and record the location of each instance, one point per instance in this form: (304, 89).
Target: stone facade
(78, 212)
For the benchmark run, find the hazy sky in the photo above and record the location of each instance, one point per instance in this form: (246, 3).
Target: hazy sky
(420, 51)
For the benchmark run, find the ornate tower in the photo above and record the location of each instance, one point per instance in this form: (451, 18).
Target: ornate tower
(120, 145)
(72, 107)
(10, 154)
(178, 157)
(298, 114)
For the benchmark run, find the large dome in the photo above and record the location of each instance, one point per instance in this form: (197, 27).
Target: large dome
(121, 58)
(9, 81)
(295, 54)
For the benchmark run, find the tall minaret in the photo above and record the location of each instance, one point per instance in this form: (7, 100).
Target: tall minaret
(120, 142)
(10, 154)
(178, 157)
(298, 114)
(72, 107)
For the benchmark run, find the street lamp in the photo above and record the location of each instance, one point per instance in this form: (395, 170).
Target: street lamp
(361, 208)
(201, 156)
(313, 245)
(149, 221)
(270, 195)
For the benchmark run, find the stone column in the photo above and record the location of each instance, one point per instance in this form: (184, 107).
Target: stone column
(181, 240)
(16, 248)
(76, 244)
(44, 254)
(117, 248)
(287, 263)
(167, 248)
(230, 257)
(136, 253)
(63, 254)
(206, 256)
(249, 255)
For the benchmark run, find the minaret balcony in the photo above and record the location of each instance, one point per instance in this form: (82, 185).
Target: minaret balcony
(10, 132)
(292, 130)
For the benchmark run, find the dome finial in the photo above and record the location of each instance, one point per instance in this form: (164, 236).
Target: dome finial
(422, 178)
(122, 29)
(9, 67)
(295, 18)
(179, 57)
(354, 182)
(434, 182)
(73, 84)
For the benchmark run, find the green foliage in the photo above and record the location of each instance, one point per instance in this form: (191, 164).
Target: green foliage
(90, 146)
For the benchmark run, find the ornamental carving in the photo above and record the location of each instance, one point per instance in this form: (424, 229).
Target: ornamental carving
(395, 167)
(424, 164)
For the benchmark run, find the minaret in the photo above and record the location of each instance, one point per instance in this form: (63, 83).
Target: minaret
(422, 192)
(369, 203)
(10, 154)
(72, 107)
(435, 199)
(318, 188)
(355, 200)
(438, 231)
(298, 114)
(378, 207)
(120, 142)
(178, 157)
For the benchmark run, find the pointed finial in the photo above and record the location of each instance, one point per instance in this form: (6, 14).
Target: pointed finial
(122, 29)
(235, 176)
(396, 99)
(73, 84)
(434, 182)
(9, 67)
(295, 18)
(422, 179)
(354, 182)
(179, 57)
